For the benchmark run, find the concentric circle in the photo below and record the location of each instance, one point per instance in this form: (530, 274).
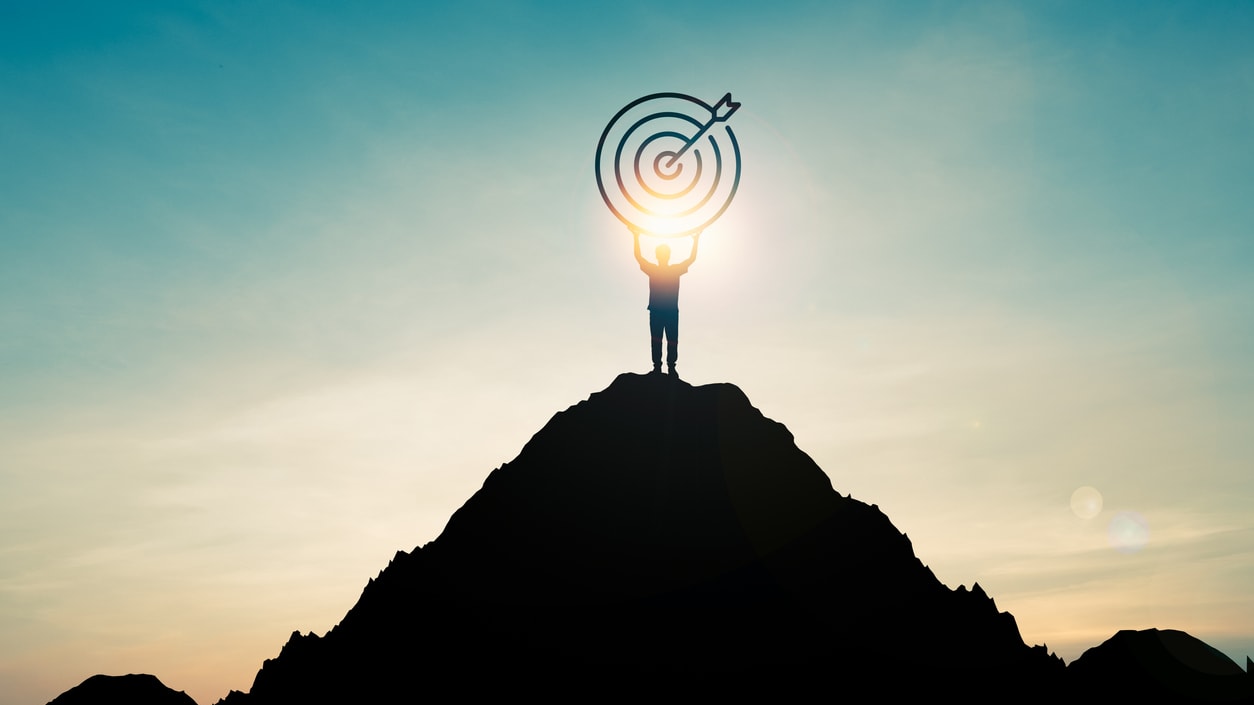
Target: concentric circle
(666, 166)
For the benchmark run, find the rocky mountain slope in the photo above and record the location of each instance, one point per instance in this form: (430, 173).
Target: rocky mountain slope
(661, 540)
(658, 534)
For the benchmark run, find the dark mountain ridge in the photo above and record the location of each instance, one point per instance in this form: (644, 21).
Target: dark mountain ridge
(658, 533)
(662, 540)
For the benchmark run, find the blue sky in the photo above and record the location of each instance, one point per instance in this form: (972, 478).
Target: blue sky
(280, 286)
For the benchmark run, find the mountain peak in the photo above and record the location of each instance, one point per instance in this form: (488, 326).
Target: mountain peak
(653, 463)
(656, 528)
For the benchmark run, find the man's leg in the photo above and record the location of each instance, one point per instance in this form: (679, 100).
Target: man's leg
(672, 338)
(656, 323)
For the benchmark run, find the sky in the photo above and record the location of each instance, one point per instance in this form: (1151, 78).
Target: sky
(281, 283)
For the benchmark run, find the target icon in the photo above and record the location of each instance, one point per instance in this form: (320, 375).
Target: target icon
(668, 164)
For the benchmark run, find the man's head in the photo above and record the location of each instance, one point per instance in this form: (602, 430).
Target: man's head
(663, 253)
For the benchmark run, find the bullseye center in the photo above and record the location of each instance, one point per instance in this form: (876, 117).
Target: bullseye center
(665, 168)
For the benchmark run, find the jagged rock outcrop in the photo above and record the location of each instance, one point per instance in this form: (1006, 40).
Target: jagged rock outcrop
(132, 689)
(659, 535)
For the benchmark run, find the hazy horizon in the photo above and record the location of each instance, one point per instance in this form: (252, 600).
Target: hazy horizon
(281, 285)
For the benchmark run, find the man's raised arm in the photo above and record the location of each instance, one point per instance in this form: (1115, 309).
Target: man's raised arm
(696, 240)
(639, 257)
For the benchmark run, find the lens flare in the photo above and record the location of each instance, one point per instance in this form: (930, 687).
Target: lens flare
(1128, 532)
(1086, 502)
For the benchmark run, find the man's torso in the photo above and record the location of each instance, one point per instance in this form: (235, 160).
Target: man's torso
(663, 286)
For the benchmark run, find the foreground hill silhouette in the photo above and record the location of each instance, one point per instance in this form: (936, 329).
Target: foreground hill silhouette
(655, 533)
(661, 538)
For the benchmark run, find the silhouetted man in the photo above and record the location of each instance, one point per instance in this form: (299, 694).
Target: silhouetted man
(664, 299)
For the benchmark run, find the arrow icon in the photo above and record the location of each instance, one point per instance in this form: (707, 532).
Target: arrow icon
(719, 113)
